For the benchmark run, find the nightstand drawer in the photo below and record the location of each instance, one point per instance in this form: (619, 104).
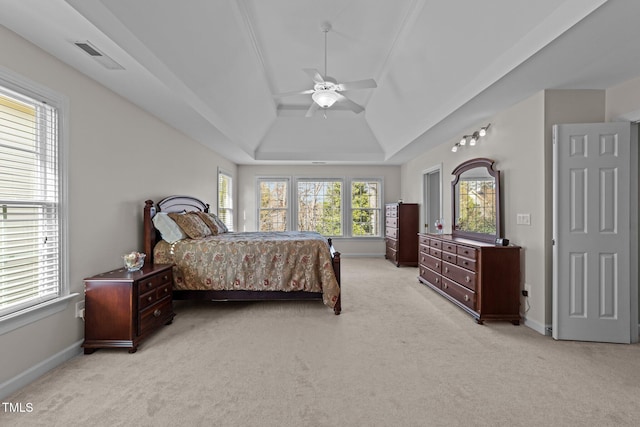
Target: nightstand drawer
(154, 316)
(155, 281)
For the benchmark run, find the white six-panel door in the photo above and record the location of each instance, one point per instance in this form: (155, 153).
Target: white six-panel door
(591, 254)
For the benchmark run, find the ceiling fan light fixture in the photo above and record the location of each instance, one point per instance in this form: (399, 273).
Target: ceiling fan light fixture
(325, 98)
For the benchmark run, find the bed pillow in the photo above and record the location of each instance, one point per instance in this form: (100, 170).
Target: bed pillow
(222, 228)
(169, 230)
(209, 221)
(191, 224)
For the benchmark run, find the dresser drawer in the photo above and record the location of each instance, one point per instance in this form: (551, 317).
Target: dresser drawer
(392, 254)
(435, 252)
(392, 243)
(424, 249)
(433, 278)
(449, 247)
(464, 295)
(154, 316)
(449, 257)
(391, 222)
(424, 240)
(462, 276)
(434, 243)
(155, 281)
(469, 264)
(391, 232)
(433, 263)
(391, 211)
(467, 252)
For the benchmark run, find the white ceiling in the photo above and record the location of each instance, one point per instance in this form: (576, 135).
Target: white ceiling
(210, 68)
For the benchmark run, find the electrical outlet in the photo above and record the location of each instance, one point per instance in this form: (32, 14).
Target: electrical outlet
(526, 290)
(80, 309)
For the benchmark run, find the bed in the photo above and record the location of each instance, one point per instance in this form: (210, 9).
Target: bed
(242, 266)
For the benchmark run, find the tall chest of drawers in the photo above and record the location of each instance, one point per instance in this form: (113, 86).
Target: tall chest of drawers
(401, 233)
(122, 307)
(480, 278)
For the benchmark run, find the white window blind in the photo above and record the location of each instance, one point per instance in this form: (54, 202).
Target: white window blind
(225, 199)
(30, 243)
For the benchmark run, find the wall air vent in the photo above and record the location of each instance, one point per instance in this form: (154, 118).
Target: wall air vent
(100, 57)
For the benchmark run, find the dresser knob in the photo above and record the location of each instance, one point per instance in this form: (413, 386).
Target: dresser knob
(149, 284)
(150, 299)
(468, 279)
(437, 280)
(437, 265)
(446, 269)
(466, 297)
(157, 313)
(165, 277)
(445, 286)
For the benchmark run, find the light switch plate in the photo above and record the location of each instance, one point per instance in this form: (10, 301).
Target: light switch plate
(523, 219)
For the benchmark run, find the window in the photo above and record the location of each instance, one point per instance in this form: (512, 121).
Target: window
(366, 208)
(319, 204)
(225, 199)
(31, 241)
(273, 204)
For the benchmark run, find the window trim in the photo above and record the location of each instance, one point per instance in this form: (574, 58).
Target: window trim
(381, 225)
(47, 308)
(346, 197)
(222, 171)
(295, 203)
(288, 180)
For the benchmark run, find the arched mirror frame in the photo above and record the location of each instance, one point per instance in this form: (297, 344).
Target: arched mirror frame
(458, 171)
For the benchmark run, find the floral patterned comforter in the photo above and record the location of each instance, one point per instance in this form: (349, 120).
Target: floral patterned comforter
(255, 261)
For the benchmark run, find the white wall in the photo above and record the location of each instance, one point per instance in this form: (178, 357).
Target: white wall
(519, 140)
(247, 209)
(119, 156)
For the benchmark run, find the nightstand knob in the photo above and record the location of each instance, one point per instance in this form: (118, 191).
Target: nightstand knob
(157, 313)
(165, 277)
(149, 284)
(150, 298)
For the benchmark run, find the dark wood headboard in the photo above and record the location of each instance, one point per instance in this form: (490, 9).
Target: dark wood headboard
(168, 204)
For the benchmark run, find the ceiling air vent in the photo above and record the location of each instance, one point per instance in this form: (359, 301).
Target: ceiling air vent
(100, 57)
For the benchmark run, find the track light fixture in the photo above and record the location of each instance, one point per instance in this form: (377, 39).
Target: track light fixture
(471, 139)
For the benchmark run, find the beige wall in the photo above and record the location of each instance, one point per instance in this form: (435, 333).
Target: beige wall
(247, 209)
(519, 140)
(119, 156)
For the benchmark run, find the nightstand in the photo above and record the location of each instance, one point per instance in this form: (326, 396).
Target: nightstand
(122, 308)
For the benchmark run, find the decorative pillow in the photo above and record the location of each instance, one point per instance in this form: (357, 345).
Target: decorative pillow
(209, 221)
(170, 231)
(222, 228)
(191, 224)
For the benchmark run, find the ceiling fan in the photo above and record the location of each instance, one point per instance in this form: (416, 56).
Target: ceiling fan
(326, 90)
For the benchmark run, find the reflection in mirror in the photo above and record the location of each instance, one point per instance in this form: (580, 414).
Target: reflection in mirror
(476, 200)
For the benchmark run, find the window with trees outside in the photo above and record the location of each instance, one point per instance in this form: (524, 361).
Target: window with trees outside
(225, 198)
(366, 210)
(31, 246)
(273, 196)
(319, 206)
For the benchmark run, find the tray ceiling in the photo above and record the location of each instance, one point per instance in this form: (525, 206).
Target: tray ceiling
(211, 68)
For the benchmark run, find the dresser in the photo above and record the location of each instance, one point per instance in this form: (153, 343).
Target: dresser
(481, 278)
(122, 308)
(401, 233)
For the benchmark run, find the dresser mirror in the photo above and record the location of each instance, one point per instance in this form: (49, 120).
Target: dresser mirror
(475, 192)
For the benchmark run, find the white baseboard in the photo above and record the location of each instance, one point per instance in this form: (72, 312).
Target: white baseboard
(356, 255)
(536, 326)
(21, 380)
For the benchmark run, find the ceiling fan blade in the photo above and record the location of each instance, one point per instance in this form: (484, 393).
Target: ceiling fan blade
(312, 110)
(314, 74)
(359, 84)
(343, 100)
(298, 92)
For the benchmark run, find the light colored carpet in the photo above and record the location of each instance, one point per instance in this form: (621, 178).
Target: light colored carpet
(399, 355)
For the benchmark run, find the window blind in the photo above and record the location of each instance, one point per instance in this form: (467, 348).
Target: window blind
(30, 246)
(225, 199)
